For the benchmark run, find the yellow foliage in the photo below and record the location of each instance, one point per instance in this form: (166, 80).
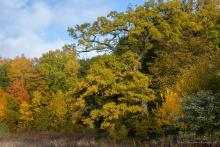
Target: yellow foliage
(19, 67)
(3, 104)
(89, 122)
(58, 105)
(36, 101)
(25, 115)
(170, 108)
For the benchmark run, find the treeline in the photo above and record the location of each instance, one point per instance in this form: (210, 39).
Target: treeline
(161, 76)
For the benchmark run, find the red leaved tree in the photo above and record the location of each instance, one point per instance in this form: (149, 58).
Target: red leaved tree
(17, 89)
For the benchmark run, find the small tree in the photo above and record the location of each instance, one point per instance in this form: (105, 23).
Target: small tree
(11, 116)
(58, 110)
(26, 116)
(4, 79)
(202, 112)
(167, 113)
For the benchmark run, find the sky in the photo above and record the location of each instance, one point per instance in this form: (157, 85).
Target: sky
(33, 27)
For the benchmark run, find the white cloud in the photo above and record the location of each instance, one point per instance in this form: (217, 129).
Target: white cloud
(31, 46)
(25, 23)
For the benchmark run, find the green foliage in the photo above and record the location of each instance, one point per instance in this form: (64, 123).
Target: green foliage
(12, 114)
(42, 121)
(202, 112)
(60, 68)
(157, 53)
(4, 79)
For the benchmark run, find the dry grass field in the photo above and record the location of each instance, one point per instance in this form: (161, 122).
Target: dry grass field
(87, 140)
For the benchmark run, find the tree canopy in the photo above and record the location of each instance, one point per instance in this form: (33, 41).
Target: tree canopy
(159, 75)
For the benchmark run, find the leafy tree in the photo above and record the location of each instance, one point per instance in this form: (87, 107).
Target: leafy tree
(25, 116)
(136, 30)
(166, 61)
(35, 81)
(202, 112)
(19, 67)
(203, 75)
(84, 66)
(17, 89)
(200, 86)
(168, 112)
(156, 54)
(195, 5)
(3, 103)
(12, 114)
(116, 94)
(50, 113)
(41, 119)
(166, 38)
(37, 101)
(170, 108)
(4, 79)
(58, 109)
(59, 68)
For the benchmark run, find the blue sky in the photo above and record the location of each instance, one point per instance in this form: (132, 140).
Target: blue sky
(33, 27)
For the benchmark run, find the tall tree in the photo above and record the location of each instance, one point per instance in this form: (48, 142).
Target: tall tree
(19, 67)
(136, 30)
(59, 68)
(116, 95)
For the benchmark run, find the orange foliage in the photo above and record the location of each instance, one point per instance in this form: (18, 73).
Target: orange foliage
(17, 89)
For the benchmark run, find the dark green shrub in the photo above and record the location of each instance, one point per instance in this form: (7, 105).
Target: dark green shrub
(202, 113)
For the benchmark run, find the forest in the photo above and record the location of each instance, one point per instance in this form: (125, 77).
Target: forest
(159, 75)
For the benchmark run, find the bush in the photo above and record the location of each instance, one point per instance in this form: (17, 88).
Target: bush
(202, 113)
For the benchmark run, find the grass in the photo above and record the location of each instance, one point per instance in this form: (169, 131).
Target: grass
(33, 139)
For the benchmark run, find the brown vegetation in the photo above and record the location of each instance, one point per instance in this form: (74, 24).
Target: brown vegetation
(33, 139)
